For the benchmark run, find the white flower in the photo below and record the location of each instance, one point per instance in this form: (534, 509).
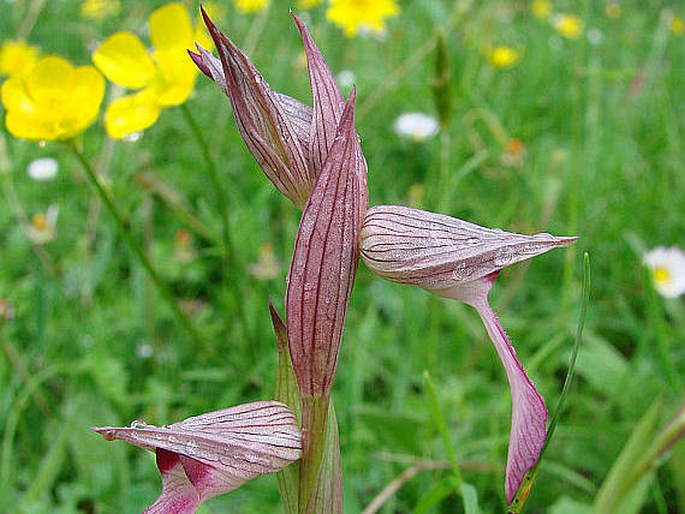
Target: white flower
(416, 125)
(44, 168)
(668, 270)
(41, 228)
(346, 79)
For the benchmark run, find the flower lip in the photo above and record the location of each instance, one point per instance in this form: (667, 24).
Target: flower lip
(216, 452)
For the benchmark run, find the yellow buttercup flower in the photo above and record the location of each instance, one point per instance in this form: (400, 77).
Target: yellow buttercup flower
(613, 10)
(17, 57)
(503, 57)
(52, 101)
(308, 4)
(568, 25)
(541, 9)
(164, 78)
(248, 6)
(355, 16)
(678, 26)
(98, 9)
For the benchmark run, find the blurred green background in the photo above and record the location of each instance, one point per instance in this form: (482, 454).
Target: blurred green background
(578, 135)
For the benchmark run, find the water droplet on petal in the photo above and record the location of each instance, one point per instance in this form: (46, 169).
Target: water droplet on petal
(504, 256)
(137, 423)
(191, 447)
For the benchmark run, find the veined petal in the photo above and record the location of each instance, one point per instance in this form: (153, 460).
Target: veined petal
(263, 122)
(325, 262)
(214, 453)
(125, 61)
(327, 101)
(299, 115)
(437, 252)
(130, 114)
(170, 27)
(459, 260)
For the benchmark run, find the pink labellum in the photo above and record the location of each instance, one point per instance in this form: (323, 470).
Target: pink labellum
(216, 452)
(271, 124)
(325, 261)
(459, 260)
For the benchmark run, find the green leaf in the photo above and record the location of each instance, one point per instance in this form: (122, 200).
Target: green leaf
(434, 496)
(566, 505)
(621, 479)
(287, 393)
(469, 495)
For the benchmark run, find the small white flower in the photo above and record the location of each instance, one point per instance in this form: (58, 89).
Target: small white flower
(346, 79)
(43, 169)
(416, 125)
(41, 228)
(595, 36)
(668, 270)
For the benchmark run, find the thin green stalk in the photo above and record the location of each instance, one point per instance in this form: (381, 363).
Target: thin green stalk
(439, 420)
(216, 185)
(522, 494)
(123, 227)
(229, 260)
(662, 341)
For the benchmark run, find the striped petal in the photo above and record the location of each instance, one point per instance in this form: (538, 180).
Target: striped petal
(214, 453)
(262, 120)
(459, 260)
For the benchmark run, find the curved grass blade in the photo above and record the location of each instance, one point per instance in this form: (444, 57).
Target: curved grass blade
(522, 494)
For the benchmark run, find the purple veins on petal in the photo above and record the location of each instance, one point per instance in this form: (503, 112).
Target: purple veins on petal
(216, 452)
(459, 260)
(438, 252)
(271, 124)
(325, 261)
(327, 100)
(528, 411)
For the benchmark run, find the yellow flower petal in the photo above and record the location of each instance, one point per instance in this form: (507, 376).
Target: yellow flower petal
(130, 114)
(250, 6)
(170, 27)
(49, 80)
(202, 37)
(53, 101)
(175, 78)
(308, 4)
(17, 58)
(125, 61)
(355, 16)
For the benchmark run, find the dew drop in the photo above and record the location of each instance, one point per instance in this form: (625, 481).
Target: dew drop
(504, 256)
(137, 423)
(191, 447)
(42, 143)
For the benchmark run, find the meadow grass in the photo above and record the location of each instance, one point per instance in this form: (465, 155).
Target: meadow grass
(91, 342)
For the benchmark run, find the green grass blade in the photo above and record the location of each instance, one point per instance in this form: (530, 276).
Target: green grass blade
(522, 494)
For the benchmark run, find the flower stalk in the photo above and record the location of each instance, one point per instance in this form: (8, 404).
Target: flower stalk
(144, 260)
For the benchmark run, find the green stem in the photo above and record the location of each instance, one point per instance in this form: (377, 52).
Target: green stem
(229, 261)
(662, 340)
(439, 420)
(123, 227)
(216, 185)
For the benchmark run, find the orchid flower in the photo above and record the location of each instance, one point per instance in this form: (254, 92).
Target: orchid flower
(214, 453)
(459, 260)
(275, 127)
